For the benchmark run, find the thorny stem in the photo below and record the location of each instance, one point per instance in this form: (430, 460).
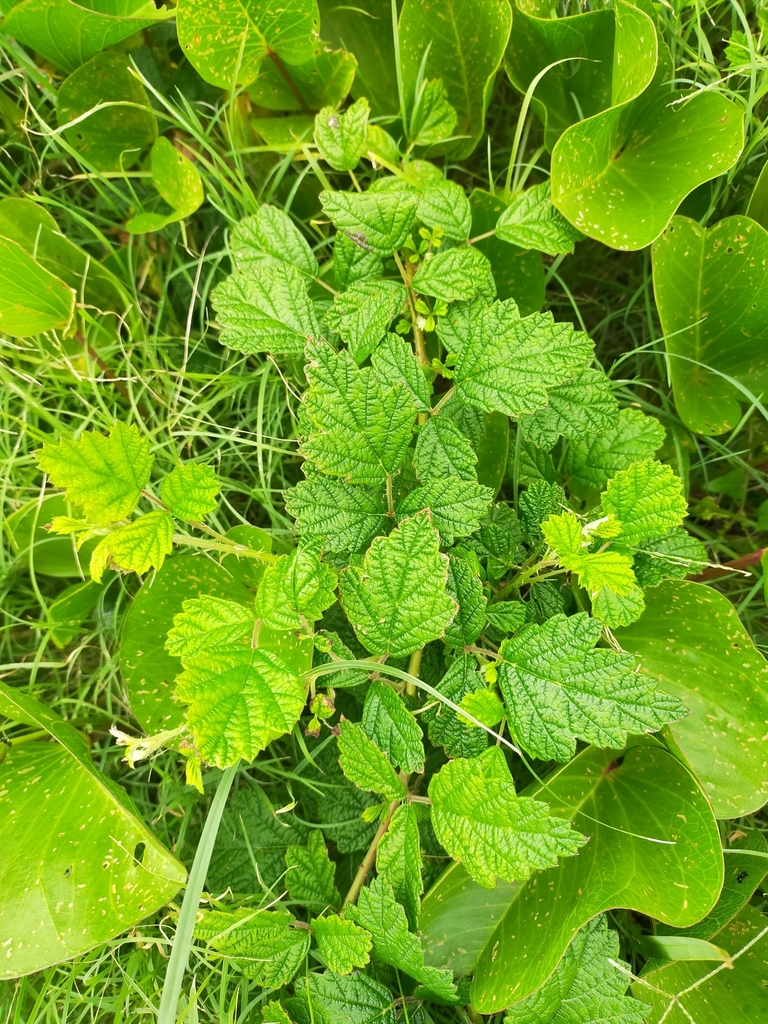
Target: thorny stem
(364, 870)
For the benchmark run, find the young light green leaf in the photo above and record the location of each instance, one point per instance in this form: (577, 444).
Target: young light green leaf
(353, 263)
(618, 609)
(395, 362)
(378, 222)
(583, 405)
(442, 449)
(190, 491)
(295, 589)
(484, 707)
(360, 431)
(398, 860)
(396, 600)
(344, 516)
(273, 1013)
(432, 118)
(177, 180)
(392, 727)
(226, 42)
(456, 505)
(510, 364)
(587, 984)
(559, 688)
(647, 499)
(445, 727)
(379, 912)
(266, 308)
(365, 765)
(592, 461)
(465, 586)
(271, 232)
(341, 944)
(310, 873)
(240, 700)
(353, 999)
(207, 624)
(480, 820)
(260, 943)
(445, 205)
(455, 274)
(138, 547)
(531, 222)
(341, 137)
(103, 475)
(362, 314)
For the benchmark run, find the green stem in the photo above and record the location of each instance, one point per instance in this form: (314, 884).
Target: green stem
(182, 942)
(365, 868)
(414, 665)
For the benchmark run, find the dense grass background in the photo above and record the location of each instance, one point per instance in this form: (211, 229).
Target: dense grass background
(171, 376)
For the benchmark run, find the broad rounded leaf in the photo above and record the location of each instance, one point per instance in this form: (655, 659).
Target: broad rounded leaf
(32, 299)
(178, 181)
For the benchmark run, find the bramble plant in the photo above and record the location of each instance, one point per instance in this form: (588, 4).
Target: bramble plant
(426, 701)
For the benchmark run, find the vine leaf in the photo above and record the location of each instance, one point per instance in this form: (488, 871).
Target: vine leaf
(260, 943)
(359, 430)
(392, 727)
(310, 874)
(344, 516)
(341, 943)
(239, 700)
(137, 547)
(378, 911)
(341, 136)
(594, 459)
(190, 491)
(455, 275)
(361, 315)
(208, 624)
(445, 205)
(378, 222)
(586, 986)
(295, 589)
(647, 500)
(465, 585)
(398, 860)
(394, 362)
(558, 687)
(456, 505)
(442, 450)
(350, 999)
(433, 119)
(103, 475)
(271, 232)
(445, 727)
(582, 406)
(481, 821)
(365, 765)
(396, 600)
(532, 222)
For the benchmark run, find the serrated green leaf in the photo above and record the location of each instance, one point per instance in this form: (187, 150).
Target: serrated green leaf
(480, 820)
(559, 688)
(190, 491)
(310, 873)
(499, 536)
(345, 516)
(341, 943)
(273, 1013)
(673, 556)
(378, 222)
(539, 500)
(227, 42)
(584, 405)
(138, 547)
(365, 765)
(456, 505)
(465, 586)
(102, 475)
(509, 364)
(588, 984)
(484, 706)
(445, 205)
(445, 727)
(396, 600)
(506, 617)
(360, 431)
(647, 499)
(270, 232)
(353, 263)
(341, 136)
(378, 911)
(432, 118)
(618, 609)
(398, 860)
(362, 314)
(294, 589)
(395, 362)
(353, 999)
(266, 308)
(455, 274)
(442, 449)
(330, 647)
(239, 701)
(339, 804)
(532, 222)
(392, 727)
(592, 461)
(206, 624)
(260, 943)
